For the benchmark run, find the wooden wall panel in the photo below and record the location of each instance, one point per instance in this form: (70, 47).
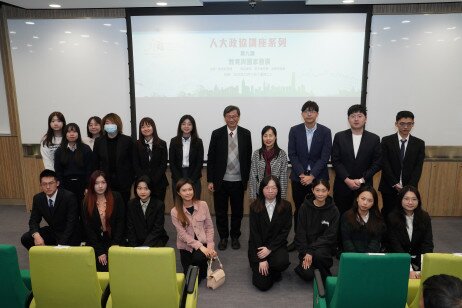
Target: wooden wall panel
(32, 167)
(457, 209)
(441, 192)
(11, 186)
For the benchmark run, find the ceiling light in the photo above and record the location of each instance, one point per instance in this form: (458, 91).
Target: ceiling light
(35, 37)
(30, 23)
(451, 28)
(67, 32)
(348, 1)
(12, 32)
(107, 25)
(54, 5)
(84, 35)
(405, 21)
(123, 31)
(386, 28)
(161, 3)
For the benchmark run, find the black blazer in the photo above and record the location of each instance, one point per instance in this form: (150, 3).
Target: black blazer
(218, 155)
(398, 239)
(391, 165)
(146, 230)
(154, 168)
(93, 227)
(196, 158)
(271, 234)
(64, 219)
(365, 165)
(124, 160)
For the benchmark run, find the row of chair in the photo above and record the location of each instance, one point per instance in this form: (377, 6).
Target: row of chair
(380, 280)
(63, 276)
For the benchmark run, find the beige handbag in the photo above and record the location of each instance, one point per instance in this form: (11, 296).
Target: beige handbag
(217, 277)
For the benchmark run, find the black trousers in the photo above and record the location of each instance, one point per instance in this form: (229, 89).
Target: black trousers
(49, 237)
(390, 201)
(278, 261)
(233, 192)
(322, 260)
(195, 258)
(299, 192)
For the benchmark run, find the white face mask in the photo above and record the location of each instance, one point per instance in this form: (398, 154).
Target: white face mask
(110, 128)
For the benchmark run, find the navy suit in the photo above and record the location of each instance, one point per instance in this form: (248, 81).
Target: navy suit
(317, 158)
(410, 170)
(366, 163)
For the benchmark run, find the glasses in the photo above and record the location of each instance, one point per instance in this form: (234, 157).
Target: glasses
(356, 116)
(406, 124)
(48, 184)
(310, 111)
(411, 199)
(271, 188)
(232, 116)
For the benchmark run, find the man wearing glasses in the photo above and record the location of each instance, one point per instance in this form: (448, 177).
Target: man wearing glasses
(58, 207)
(403, 157)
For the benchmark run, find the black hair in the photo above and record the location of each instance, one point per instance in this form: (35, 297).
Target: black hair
(376, 225)
(259, 204)
(179, 132)
(419, 213)
(155, 136)
(276, 147)
(316, 182)
(97, 120)
(404, 114)
(310, 106)
(442, 291)
(48, 140)
(357, 108)
(230, 108)
(146, 179)
(64, 143)
(47, 173)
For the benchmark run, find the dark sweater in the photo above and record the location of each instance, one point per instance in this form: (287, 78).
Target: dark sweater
(69, 167)
(356, 237)
(317, 227)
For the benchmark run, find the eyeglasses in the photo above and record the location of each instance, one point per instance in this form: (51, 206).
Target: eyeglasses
(309, 111)
(271, 188)
(232, 116)
(406, 124)
(46, 184)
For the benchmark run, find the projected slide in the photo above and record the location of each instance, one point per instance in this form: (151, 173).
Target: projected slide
(248, 56)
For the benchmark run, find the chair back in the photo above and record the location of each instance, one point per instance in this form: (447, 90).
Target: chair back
(64, 277)
(435, 264)
(143, 277)
(13, 292)
(371, 280)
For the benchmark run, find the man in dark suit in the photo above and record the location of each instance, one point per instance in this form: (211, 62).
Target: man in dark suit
(356, 157)
(402, 160)
(228, 168)
(309, 149)
(59, 209)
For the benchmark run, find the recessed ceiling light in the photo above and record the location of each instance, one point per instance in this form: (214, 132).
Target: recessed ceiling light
(84, 35)
(35, 37)
(54, 5)
(123, 31)
(107, 25)
(12, 32)
(161, 3)
(348, 1)
(451, 28)
(405, 21)
(386, 28)
(30, 23)
(67, 32)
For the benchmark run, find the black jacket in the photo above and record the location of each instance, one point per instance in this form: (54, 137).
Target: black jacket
(270, 234)
(357, 238)
(146, 230)
(196, 158)
(317, 227)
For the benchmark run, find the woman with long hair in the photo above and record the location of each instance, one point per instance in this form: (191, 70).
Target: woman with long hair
(186, 154)
(268, 160)
(103, 217)
(316, 235)
(410, 228)
(52, 139)
(113, 154)
(145, 217)
(94, 127)
(150, 157)
(270, 221)
(73, 162)
(362, 226)
(194, 227)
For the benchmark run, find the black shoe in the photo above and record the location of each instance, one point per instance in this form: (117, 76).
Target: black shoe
(235, 243)
(291, 247)
(223, 244)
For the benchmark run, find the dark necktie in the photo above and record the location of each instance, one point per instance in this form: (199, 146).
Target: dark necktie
(51, 205)
(401, 150)
(148, 149)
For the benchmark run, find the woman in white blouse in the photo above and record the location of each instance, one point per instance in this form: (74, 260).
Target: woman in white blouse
(52, 139)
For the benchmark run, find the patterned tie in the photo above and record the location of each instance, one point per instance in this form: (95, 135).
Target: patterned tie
(51, 205)
(401, 150)
(148, 149)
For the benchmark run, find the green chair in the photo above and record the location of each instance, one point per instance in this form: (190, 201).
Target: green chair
(13, 282)
(64, 276)
(365, 280)
(435, 264)
(147, 277)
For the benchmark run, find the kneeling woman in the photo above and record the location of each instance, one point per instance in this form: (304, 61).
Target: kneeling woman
(316, 235)
(410, 228)
(194, 228)
(145, 217)
(270, 222)
(103, 217)
(362, 226)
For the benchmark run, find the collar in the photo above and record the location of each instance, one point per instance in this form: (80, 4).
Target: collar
(401, 138)
(52, 197)
(234, 131)
(311, 130)
(72, 148)
(145, 203)
(272, 203)
(148, 142)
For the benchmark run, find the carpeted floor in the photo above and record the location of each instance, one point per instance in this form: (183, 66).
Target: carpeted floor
(238, 290)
